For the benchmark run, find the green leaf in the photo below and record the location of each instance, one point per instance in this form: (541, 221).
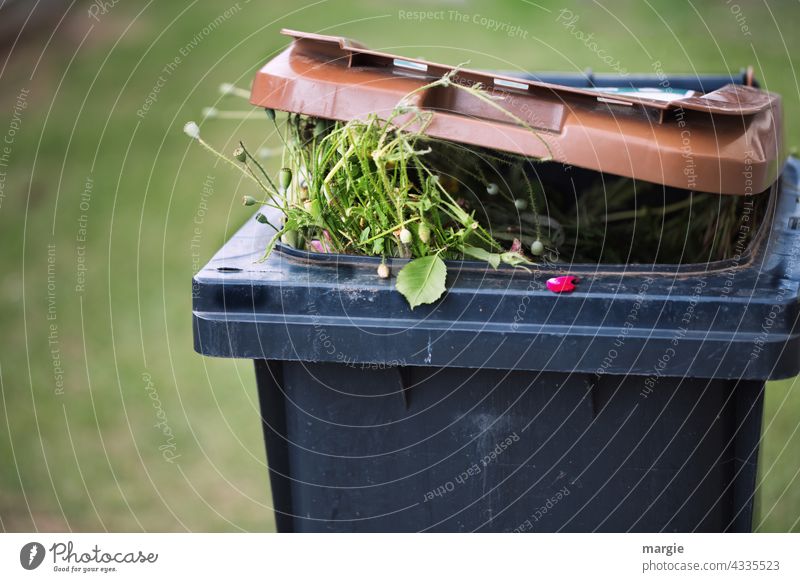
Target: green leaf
(515, 260)
(422, 280)
(482, 255)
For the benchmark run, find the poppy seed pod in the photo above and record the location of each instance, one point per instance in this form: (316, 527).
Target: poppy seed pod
(285, 178)
(492, 189)
(261, 218)
(249, 201)
(192, 130)
(537, 247)
(240, 154)
(270, 113)
(424, 233)
(521, 203)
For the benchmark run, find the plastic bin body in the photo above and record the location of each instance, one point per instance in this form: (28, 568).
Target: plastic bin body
(634, 403)
(492, 450)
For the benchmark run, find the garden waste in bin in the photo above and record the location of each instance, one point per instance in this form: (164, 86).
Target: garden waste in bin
(633, 403)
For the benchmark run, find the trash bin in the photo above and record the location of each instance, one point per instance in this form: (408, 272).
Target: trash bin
(632, 404)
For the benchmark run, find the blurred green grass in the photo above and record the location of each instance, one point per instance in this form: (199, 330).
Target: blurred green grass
(89, 459)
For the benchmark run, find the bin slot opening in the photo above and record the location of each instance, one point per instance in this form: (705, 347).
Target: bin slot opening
(511, 84)
(403, 64)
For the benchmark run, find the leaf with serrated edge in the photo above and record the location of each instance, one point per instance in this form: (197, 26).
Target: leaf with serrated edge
(422, 280)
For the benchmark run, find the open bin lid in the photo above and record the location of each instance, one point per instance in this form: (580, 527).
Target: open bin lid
(726, 141)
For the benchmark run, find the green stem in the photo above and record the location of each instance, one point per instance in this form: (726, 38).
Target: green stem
(391, 230)
(225, 159)
(647, 211)
(259, 166)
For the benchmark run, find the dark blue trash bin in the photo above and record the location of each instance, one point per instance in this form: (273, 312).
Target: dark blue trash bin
(632, 404)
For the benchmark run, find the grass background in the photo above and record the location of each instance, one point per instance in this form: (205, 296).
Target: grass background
(89, 459)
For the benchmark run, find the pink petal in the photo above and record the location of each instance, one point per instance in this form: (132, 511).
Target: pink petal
(318, 246)
(564, 284)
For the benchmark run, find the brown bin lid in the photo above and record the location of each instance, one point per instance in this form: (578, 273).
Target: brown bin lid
(726, 141)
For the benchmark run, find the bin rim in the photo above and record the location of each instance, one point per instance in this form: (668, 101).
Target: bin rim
(744, 323)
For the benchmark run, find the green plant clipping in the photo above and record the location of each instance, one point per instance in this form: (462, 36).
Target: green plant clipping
(377, 187)
(422, 280)
(382, 187)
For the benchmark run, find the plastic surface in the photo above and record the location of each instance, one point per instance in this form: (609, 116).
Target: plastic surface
(728, 140)
(622, 406)
(445, 449)
(734, 319)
